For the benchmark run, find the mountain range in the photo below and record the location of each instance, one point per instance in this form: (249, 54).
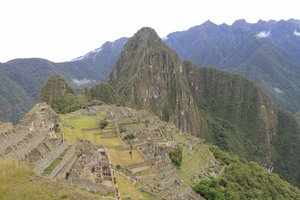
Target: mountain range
(223, 108)
(212, 105)
(267, 52)
(22, 79)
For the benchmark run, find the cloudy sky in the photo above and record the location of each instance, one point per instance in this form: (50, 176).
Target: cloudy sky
(60, 30)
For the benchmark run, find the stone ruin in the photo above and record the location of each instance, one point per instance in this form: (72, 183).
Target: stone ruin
(153, 139)
(34, 142)
(29, 141)
(89, 169)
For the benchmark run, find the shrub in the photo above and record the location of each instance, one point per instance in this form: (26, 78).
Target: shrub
(176, 155)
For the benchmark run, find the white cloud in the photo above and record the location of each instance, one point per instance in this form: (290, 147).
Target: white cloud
(79, 58)
(296, 33)
(263, 34)
(82, 82)
(278, 90)
(165, 38)
(94, 53)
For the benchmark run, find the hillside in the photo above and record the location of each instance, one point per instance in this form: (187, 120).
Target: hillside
(22, 183)
(223, 108)
(266, 52)
(99, 159)
(24, 78)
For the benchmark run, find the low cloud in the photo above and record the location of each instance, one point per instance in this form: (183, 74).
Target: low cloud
(296, 33)
(82, 82)
(263, 34)
(165, 38)
(279, 91)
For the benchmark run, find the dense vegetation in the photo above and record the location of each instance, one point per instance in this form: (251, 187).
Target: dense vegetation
(103, 92)
(24, 78)
(176, 155)
(271, 61)
(62, 98)
(286, 142)
(244, 180)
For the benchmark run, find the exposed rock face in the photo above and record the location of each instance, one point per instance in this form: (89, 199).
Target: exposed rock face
(225, 109)
(150, 75)
(267, 52)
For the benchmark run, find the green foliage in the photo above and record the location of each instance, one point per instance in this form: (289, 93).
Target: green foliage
(67, 103)
(103, 124)
(286, 142)
(207, 189)
(54, 90)
(270, 63)
(244, 180)
(105, 93)
(57, 93)
(57, 128)
(51, 167)
(129, 137)
(176, 155)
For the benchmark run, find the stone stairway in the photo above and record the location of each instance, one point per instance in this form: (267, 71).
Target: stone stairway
(70, 152)
(46, 161)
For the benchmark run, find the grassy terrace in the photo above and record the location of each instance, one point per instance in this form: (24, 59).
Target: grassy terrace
(194, 156)
(87, 127)
(53, 165)
(76, 125)
(130, 188)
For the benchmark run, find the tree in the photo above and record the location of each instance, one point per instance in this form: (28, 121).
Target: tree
(103, 124)
(176, 155)
(129, 139)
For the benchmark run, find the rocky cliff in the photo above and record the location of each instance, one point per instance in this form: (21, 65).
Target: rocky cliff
(225, 109)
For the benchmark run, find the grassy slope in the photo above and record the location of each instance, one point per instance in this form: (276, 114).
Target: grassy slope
(19, 182)
(245, 180)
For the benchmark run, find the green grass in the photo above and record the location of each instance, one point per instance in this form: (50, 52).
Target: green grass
(53, 165)
(129, 189)
(78, 123)
(118, 156)
(193, 160)
(122, 157)
(89, 122)
(19, 182)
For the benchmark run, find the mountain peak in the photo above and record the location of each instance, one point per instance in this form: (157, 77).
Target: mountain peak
(208, 23)
(240, 22)
(145, 33)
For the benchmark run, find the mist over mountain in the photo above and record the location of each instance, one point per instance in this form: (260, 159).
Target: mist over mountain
(24, 78)
(266, 52)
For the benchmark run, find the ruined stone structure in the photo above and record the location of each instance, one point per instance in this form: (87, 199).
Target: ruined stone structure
(86, 165)
(153, 138)
(29, 140)
(90, 169)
